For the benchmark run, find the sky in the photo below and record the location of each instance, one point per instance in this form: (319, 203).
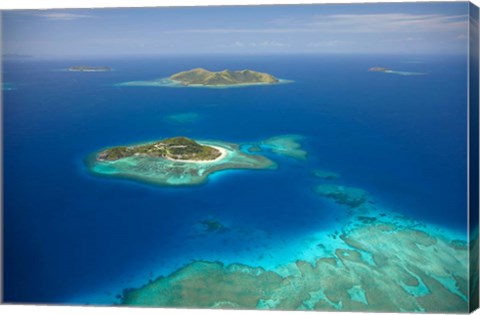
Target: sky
(389, 28)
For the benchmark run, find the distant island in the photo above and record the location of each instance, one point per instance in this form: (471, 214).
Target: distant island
(390, 71)
(201, 76)
(8, 86)
(173, 162)
(378, 69)
(89, 69)
(175, 149)
(15, 56)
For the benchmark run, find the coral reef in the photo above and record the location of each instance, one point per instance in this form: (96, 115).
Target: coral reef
(288, 145)
(350, 196)
(325, 174)
(381, 267)
(171, 172)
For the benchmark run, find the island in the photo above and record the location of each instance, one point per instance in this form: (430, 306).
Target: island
(389, 71)
(200, 76)
(378, 69)
(89, 69)
(16, 56)
(175, 149)
(8, 86)
(173, 161)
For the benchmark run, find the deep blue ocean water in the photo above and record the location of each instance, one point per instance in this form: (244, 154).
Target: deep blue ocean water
(70, 237)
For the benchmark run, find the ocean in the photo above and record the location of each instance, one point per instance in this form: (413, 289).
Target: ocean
(74, 238)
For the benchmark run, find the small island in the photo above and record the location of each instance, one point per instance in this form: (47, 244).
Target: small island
(173, 162)
(8, 86)
(89, 69)
(378, 69)
(201, 76)
(175, 149)
(390, 71)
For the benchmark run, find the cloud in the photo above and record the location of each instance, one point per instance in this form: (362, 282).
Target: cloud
(268, 44)
(328, 43)
(263, 44)
(236, 44)
(351, 23)
(239, 30)
(61, 16)
(393, 22)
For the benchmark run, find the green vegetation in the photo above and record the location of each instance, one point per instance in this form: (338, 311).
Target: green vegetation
(201, 76)
(173, 162)
(178, 148)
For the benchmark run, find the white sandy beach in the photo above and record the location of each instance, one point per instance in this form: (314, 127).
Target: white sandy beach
(223, 154)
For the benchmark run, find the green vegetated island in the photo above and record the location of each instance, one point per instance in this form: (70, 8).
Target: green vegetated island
(377, 261)
(89, 69)
(200, 77)
(174, 149)
(183, 161)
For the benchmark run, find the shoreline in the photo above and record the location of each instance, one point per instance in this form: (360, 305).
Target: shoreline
(167, 82)
(223, 154)
(180, 83)
(163, 171)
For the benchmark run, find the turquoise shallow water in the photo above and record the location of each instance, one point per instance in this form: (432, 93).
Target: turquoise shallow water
(83, 239)
(165, 172)
(166, 82)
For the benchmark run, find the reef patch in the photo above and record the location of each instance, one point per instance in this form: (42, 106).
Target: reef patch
(182, 118)
(404, 278)
(288, 145)
(344, 195)
(321, 174)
